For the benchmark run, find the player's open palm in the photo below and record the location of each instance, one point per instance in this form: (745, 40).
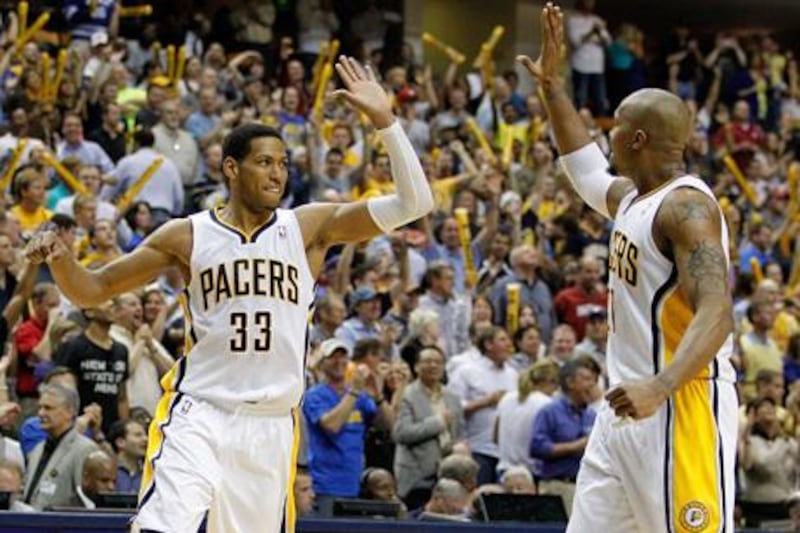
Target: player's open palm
(362, 90)
(546, 67)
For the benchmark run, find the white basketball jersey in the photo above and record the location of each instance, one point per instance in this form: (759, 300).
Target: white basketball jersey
(246, 315)
(648, 311)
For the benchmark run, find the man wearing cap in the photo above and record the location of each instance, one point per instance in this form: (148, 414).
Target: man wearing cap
(365, 303)
(338, 414)
(594, 342)
(574, 304)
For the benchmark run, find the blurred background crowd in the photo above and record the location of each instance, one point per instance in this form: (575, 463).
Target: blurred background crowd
(460, 357)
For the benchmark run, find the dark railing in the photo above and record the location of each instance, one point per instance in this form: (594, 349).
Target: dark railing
(96, 522)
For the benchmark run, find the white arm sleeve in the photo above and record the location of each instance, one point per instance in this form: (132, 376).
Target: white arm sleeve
(413, 198)
(587, 169)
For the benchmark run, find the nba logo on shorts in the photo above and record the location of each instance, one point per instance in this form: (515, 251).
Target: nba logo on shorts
(187, 405)
(694, 516)
(282, 231)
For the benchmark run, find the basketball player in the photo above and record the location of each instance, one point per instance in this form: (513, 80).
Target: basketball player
(661, 455)
(223, 438)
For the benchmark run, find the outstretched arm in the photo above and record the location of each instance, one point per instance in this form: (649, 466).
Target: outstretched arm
(327, 224)
(689, 225)
(586, 166)
(167, 246)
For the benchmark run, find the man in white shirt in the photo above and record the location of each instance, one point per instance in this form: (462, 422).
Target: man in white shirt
(480, 385)
(148, 360)
(588, 36)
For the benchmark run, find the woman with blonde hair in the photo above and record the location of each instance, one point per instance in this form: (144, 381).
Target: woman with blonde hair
(517, 411)
(423, 330)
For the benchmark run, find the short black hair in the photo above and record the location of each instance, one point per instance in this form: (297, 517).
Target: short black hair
(144, 138)
(62, 222)
(237, 143)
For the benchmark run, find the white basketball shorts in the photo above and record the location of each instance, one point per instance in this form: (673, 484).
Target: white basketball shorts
(670, 473)
(236, 465)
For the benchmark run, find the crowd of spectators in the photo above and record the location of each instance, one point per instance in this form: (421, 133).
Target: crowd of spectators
(463, 355)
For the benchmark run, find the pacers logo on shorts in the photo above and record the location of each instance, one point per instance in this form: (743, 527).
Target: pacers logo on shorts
(694, 516)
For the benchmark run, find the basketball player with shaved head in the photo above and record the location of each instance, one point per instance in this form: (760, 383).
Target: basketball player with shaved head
(661, 455)
(224, 436)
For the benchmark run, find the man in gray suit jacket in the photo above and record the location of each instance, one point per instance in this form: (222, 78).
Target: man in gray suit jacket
(56, 465)
(430, 421)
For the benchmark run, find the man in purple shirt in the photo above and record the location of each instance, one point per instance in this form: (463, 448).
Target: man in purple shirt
(561, 429)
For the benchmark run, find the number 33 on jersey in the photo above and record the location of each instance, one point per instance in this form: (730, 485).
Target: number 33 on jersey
(247, 313)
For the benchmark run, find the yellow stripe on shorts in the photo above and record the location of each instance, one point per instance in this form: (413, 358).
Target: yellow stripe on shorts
(291, 512)
(155, 439)
(695, 470)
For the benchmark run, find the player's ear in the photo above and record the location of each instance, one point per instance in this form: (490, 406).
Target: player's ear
(230, 168)
(640, 139)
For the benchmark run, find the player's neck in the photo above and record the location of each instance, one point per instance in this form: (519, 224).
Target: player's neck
(237, 215)
(658, 175)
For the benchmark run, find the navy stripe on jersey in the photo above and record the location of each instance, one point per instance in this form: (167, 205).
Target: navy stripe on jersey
(152, 489)
(190, 319)
(667, 467)
(242, 238)
(262, 229)
(656, 332)
(715, 393)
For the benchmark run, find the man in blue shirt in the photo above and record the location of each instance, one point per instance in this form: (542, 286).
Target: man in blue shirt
(561, 429)
(338, 414)
(129, 439)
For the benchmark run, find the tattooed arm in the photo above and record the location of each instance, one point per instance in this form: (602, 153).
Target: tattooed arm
(687, 229)
(689, 224)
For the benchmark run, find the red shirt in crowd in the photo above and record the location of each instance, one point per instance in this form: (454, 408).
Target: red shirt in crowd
(741, 132)
(28, 335)
(574, 305)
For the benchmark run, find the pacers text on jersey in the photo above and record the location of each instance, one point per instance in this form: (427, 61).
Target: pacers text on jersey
(249, 277)
(623, 258)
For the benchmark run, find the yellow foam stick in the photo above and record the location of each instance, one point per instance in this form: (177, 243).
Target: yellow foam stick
(512, 307)
(454, 55)
(180, 67)
(333, 51)
(465, 238)
(324, 78)
(29, 34)
(508, 147)
(125, 200)
(61, 63)
(318, 64)
(755, 266)
(793, 178)
(136, 11)
(741, 180)
(477, 132)
(44, 91)
(71, 181)
(22, 15)
(171, 62)
(488, 47)
(16, 156)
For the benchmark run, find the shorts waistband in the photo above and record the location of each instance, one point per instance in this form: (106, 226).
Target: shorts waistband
(258, 408)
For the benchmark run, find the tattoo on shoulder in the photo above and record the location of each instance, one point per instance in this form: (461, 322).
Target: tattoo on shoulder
(692, 209)
(708, 267)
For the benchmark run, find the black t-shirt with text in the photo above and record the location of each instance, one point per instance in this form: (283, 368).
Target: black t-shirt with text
(101, 373)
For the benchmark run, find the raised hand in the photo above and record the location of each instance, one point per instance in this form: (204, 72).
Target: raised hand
(363, 91)
(546, 68)
(45, 246)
